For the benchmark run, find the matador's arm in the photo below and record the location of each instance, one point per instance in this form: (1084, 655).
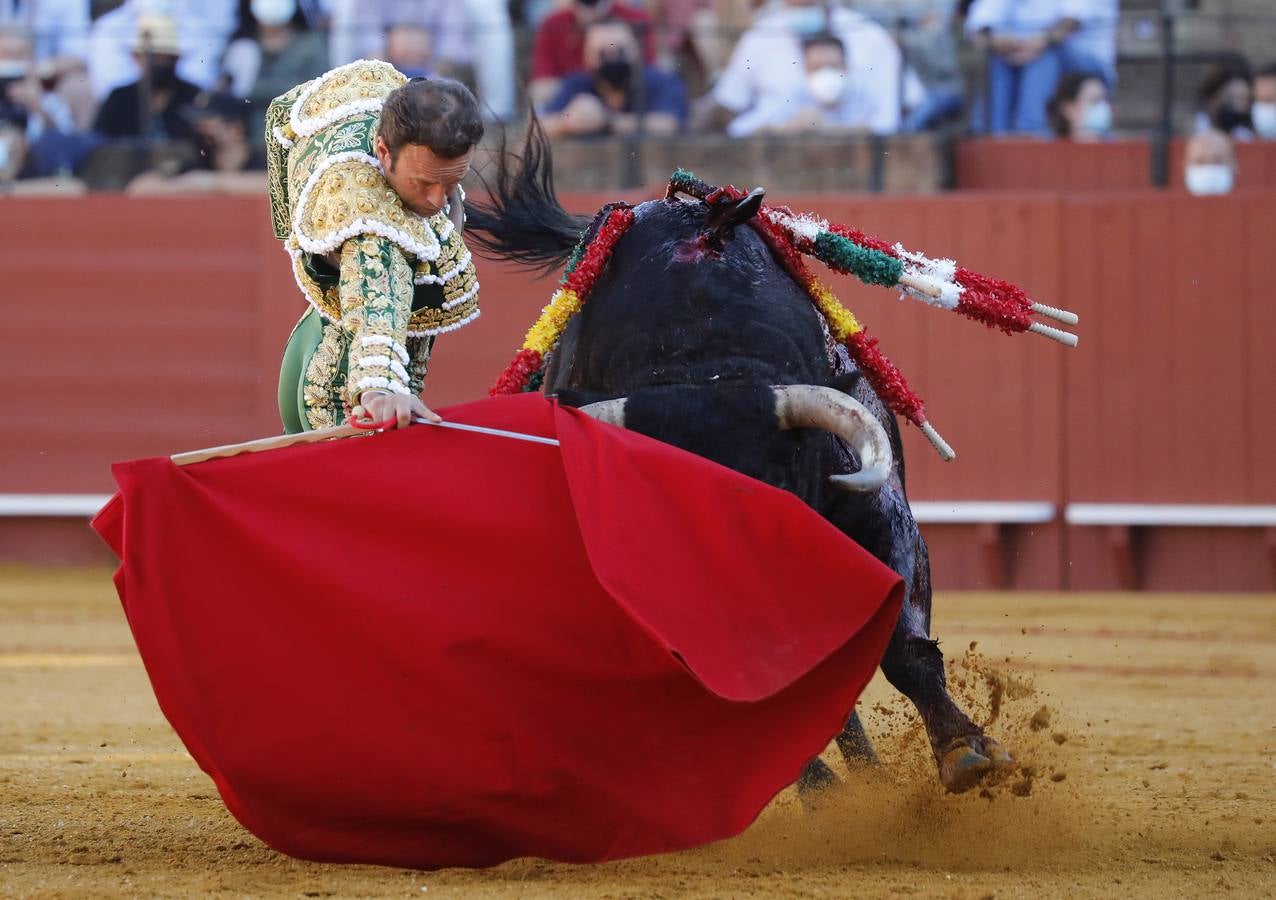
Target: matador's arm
(376, 293)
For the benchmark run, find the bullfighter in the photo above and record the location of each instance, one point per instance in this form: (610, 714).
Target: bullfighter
(365, 170)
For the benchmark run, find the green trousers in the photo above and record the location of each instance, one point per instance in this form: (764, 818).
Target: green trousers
(292, 373)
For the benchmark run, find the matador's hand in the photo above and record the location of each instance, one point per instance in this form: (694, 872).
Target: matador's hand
(381, 406)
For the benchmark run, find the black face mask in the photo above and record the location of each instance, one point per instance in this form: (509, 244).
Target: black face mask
(163, 74)
(616, 72)
(1228, 119)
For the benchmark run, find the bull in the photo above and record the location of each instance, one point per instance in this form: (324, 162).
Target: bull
(694, 335)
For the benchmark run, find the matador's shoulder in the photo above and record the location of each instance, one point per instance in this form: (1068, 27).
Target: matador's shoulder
(336, 113)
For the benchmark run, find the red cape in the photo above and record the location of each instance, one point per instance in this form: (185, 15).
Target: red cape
(435, 648)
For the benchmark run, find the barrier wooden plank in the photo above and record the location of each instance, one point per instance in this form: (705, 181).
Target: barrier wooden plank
(1023, 164)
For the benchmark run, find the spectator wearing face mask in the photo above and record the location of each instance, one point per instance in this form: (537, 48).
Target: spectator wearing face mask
(1263, 111)
(827, 101)
(273, 53)
(1209, 164)
(558, 49)
(169, 96)
(1225, 98)
(767, 69)
(615, 89)
(1080, 109)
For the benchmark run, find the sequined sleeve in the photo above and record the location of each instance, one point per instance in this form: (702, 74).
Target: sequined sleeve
(376, 301)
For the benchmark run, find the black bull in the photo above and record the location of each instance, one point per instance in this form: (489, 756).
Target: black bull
(693, 321)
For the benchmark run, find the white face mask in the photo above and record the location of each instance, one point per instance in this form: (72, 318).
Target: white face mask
(274, 12)
(1097, 118)
(1264, 116)
(826, 85)
(1209, 180)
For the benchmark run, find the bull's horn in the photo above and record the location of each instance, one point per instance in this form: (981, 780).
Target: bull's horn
(610, 411)
(811, 406)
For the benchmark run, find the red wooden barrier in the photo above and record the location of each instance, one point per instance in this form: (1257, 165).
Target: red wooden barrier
(1021, 164)
(1027, 164)
(140, 327)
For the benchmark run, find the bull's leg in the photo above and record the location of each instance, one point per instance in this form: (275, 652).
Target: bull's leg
(856, 748)
(816, 776)
(913, 663)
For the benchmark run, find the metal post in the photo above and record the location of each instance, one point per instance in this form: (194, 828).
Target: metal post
(1165, 130)
(145, 92)
(631, 175)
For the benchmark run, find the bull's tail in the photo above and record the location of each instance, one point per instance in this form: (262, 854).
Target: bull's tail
(521, 219)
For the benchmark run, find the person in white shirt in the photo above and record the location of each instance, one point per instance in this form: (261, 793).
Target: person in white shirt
(828, 100)
(766, 69)
(466, 32)
(60, 28)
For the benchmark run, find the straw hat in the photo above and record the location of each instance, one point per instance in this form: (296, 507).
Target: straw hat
(156, 33)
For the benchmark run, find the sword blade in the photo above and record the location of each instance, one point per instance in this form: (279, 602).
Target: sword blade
(495, 432)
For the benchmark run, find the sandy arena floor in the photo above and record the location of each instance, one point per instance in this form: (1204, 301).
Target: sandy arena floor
(1146, 724)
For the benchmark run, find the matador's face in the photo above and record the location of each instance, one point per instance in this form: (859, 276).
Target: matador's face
(422, 179)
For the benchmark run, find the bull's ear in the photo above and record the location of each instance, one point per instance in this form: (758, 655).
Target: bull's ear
(725, 215)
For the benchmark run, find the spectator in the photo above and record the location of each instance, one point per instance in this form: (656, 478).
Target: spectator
(615, 89)
(1209, 164)
(1080, 109)
(58, 31)
(273, 53)
(221, 123)
(14, 60)
(1090, 46)
(828, 99)
(926, 31)
(1023, 40)
(766, 69)
(478, 34)
(680, 28)
(558, 48)
(1263, 111)
(359, 30)
(409, 49)
(232, 161)
(203, 27)
(43, 137)
(59, 28)
(715, 31)
(1225, 98)
(170, 97)
(491, 38)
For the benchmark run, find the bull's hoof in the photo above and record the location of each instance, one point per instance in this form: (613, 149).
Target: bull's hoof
(970, 761)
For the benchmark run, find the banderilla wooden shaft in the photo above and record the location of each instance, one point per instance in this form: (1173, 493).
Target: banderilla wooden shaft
(270, 443)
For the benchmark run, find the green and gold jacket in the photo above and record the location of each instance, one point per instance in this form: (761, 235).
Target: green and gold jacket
(402, 278)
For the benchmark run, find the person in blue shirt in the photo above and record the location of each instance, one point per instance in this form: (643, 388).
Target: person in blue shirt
(616, 90)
